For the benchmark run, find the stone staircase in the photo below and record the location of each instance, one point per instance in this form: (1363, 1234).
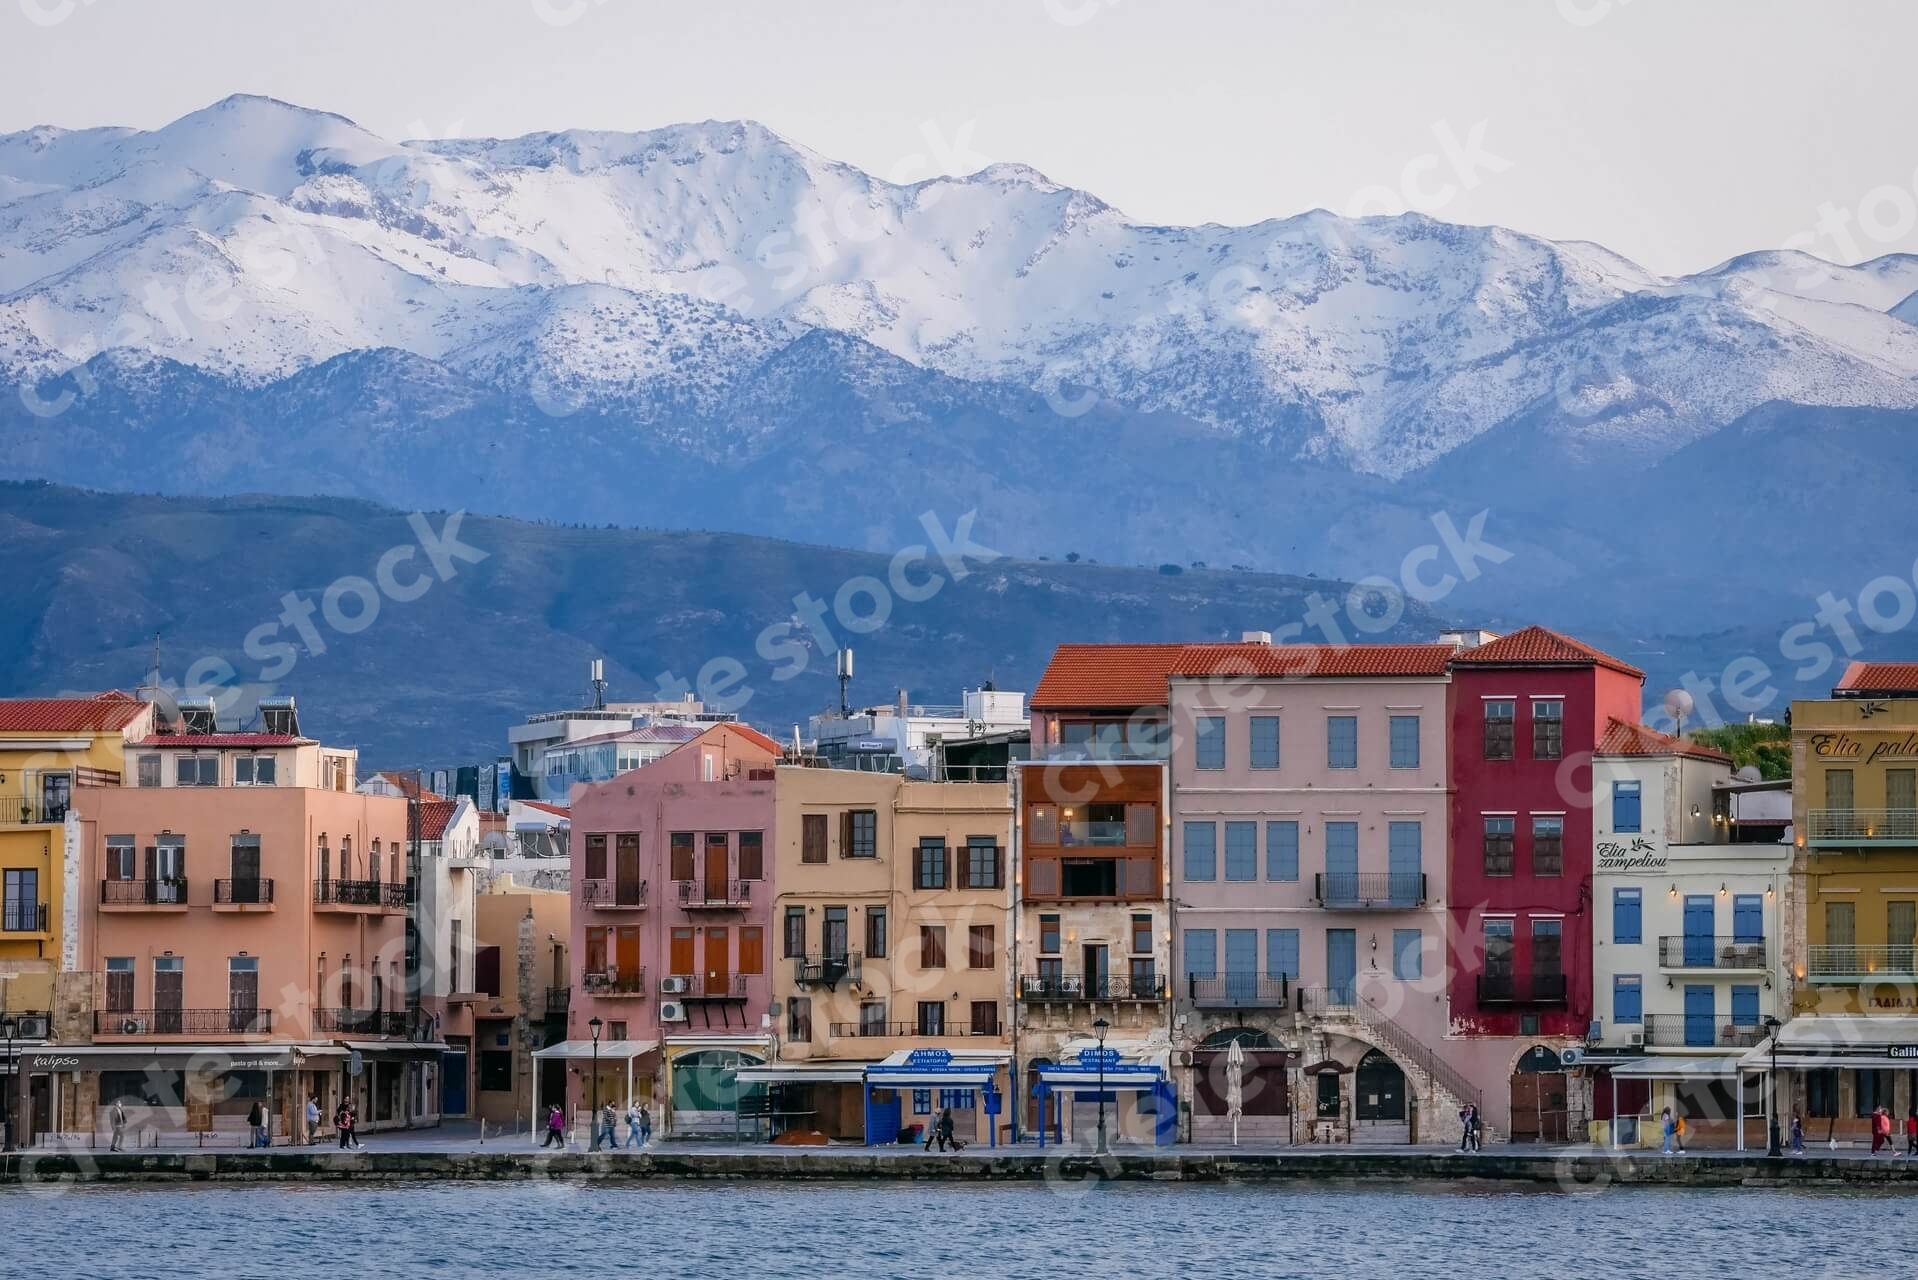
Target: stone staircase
(1444, 1088)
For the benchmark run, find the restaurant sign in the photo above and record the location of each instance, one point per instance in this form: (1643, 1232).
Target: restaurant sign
(1640, 855)
(1851, 747)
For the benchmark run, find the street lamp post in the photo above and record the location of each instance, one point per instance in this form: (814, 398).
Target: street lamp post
(8, 1025)
(592, 1116)
(1099, 1029)
(1774, 1148)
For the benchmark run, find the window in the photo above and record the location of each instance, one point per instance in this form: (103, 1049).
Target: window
(812, 837)
(1049, 935)
(242, 991)
(1142, 933)
(752, 949)
(1498, 844)
(196, 771)
(981, 946)
(254, 771)
(1548, 729)
(795, 932)
(120, 859)
(1341, 742)
(1282, 850)
(1628, 999)
(1201, 852)
(929, 864)
(1342, 852)
(833, 930)
(1208, 741)
(149, 767)
(1405, 742)
(1201, 953)
(799, 1018)
(1042, 824)
(1744, 1006)
(1547, 935)
(682, 855)
(1264, 749)
(1748, 918)
(1408, 953)
(876, 932)
(119, 984)
(1821, 1092)
(1241, 851)
(922, 1102)
(985, 1017)
(1841, 926)
(1142, 825)
(932, 946)
(1498, 950)
(454, 939)
(932, 1017)
(752, 855)
(596, 857)
(373, 870)
(1282, 953)
(1145, 977)
(1871, 1090)
(1901, 788)
(1548, 845)
(1838, 792)
(1498, 728)
(984, 865)
(496, 1071)
(1628, 915)
(859, 833)
(1625, 805)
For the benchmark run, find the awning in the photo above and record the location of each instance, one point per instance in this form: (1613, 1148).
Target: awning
(795, 1073)
(121, 1057)
(609, 1050)
(1839, 1040)
(398, 1048)
(1721, 1068)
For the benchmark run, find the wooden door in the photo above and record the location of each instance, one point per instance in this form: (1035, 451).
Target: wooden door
(718, 961)
(168, 995)
(716, 867)
(626, 957)
(681, 959)
(627, 871)
(1539, 1107)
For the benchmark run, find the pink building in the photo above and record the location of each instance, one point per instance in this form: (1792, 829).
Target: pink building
(672, 914)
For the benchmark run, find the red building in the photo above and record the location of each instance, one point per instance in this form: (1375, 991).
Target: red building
(1527, 711)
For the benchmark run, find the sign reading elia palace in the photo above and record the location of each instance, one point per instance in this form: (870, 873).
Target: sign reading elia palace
(1640, 855)
(1845, 746)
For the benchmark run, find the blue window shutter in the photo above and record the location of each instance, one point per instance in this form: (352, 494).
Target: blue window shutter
(1282, 953)
(1342, 848)
(1625, 809)
(1242, 952)
(1201, 953)
(1264, 747)
(1627, 909)
(1241, 851)
(1744, 1006)
(1748, 918)
(1404, 850)
(1628, 998)
(1341, 742)
(1209, 742)
(1405, 742)
(1282, 850)
(1408, 954)
(1201, 851)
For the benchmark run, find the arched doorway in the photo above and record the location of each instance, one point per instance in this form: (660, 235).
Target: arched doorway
(1265, 1087)
(1378, 1100)
(706, 1089)
(1539, 1097)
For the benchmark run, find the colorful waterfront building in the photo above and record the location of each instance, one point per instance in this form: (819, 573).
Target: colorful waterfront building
(1310, 810)
(1528, 709)
(244, 929)
(1853, 930)
(517, 996)
(48, 746)
(1687, 965)
(893, 927)
(671, 920)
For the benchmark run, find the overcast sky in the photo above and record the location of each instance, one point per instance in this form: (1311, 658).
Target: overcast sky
(1678, 132)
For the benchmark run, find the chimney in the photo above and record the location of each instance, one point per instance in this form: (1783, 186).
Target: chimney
(1256, 637)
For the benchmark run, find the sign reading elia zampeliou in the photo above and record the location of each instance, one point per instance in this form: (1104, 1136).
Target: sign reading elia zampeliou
(1640, 855)
(1846, 746)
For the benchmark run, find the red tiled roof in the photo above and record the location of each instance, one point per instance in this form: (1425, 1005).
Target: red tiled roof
(1541, 646)
(559, 809)
(1322, 661)
(408, 784)
(1878, 677)
(434, 815)
(1105, 675)
(103, 713)
(1623, 739)
(193, 741)
(745, 731)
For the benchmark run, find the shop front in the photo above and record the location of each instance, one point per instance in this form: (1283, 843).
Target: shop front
(624, 1076)
(1834, 1071)
(182, 1094)
(912, 1089)
(393, 1083)
(800, 1104)
(1720, 1103)
(1136, 1101)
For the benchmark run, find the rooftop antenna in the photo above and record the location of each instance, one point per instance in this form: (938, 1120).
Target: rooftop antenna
(842, 664)
(599, 684)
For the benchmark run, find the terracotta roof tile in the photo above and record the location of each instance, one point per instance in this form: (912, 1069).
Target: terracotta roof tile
(559, 809)
(1105, 675)
(1541, 646)
(192, 741)
(1878, 677)
(1624, 739)
(1321, 661)
(105, 713)
(434, 815)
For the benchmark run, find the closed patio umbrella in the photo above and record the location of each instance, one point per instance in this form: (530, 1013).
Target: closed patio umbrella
(1235, 1086)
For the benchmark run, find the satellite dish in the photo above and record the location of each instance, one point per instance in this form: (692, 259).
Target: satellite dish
(1678, 705)
(1749, 773)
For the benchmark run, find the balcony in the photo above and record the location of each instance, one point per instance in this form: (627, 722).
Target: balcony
(702, 895)
(243, 893)
(907, 1031)
(1369, 890)
(1103, 750)
(360, 895)
(1837, 965)
(614, 895)
(1700, 951)
(165, 895)
(1035, 988)
(1694, 1031)
(1521, 989)
(1847, 828)
(24, 917)
(1238, 991)
(614, 985)
(826, 971)
(559, 1001)
(360, 1022)
(31, 811)
(182, 1022)
(681, 986)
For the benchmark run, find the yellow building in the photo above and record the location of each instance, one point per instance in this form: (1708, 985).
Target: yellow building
(48, 747)
(1852, 935)
(518, 997)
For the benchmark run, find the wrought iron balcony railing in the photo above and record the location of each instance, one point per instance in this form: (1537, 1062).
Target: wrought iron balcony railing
(1238, 991)
(1064, 988)
(387, 895)
(1369, 890)
(697, 895)
(170, 892)
(24, 917)
(1698, 1031)
(612, 983)
(1704, 951)
(826, 970)
(1861, 826)
(243, 893)
(613, 894)
(371, 1022)
(182, 1022)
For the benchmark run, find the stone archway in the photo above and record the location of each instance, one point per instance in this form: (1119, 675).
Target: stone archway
(1379, 1090)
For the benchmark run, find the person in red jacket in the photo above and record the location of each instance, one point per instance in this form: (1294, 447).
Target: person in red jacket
(1911, 1131)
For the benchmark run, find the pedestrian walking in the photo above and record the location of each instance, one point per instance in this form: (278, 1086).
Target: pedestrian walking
(1678, 1131)
(1797, 1134)
(555, 1129)
(645, 1125)
(1881, 1131)
(312, 1118)
(256, 1124)
(632, 1126)
(608, 1126)
(1670, 1127)
(343, 1125)
(1465, 1128)
(117, 1117)
(1478, 1130)
(353, 1126)
(945, 1131)
(1911, 1131)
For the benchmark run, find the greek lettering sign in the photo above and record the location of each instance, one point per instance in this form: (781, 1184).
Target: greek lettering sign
(1616, 856)
(929, 1058)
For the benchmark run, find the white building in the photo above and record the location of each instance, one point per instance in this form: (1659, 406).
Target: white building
(1687, 962)
(550, 735)
(887, 739)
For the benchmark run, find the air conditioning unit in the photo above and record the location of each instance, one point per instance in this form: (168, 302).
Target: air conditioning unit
(1572, 1056)
(675, 986)
(672, 1011)
(1635, 1039)
(31, 1028)
(133, 1026)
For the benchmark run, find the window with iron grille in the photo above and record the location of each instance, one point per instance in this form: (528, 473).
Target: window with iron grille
(1548, 845)
(1499, 714)
(1498, 844)
(1548, 729)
